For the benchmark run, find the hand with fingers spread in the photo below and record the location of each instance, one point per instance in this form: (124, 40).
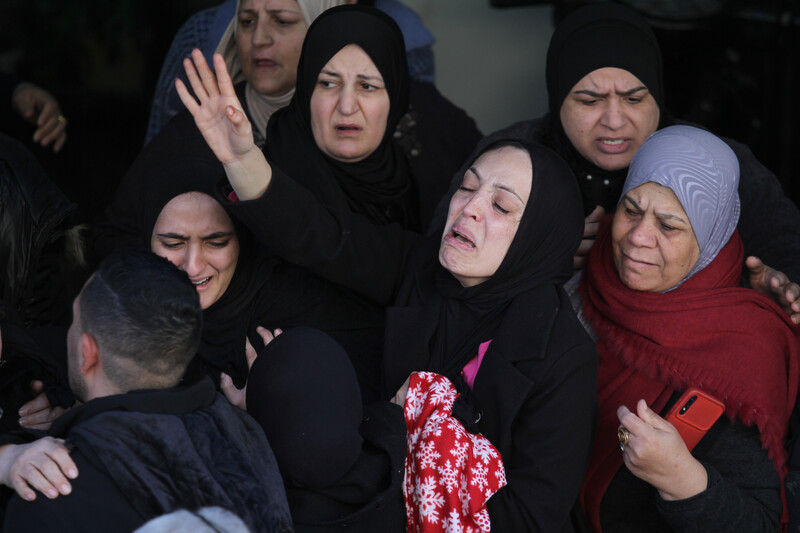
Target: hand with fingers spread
(41, 109)
(655, 453)
(776, 285)
(37, 413)
(220, 117)
(236, 396)
(590, 227)
(44, 465)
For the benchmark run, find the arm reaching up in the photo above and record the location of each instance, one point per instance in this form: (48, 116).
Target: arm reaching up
(220, 117)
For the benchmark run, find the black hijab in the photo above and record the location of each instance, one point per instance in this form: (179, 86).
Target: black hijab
(454, 319)
(245, 302)
(380, 186)
(597, 36)
(308, 402)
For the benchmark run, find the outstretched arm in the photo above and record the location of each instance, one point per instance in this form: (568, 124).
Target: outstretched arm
(219, 116)
(44, 465)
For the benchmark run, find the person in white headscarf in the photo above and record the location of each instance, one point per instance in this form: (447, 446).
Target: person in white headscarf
(228, 29)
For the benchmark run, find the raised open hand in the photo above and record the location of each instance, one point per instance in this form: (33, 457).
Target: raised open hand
(217, 111)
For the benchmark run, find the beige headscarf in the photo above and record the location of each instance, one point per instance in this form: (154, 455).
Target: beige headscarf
(260, 105)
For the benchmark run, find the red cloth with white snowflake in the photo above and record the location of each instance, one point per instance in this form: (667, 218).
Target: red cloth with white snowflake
(450, 472)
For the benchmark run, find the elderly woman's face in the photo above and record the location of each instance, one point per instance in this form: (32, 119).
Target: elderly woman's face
(653, 241)
(349, 106)
(608, 115)
(196, 234)
(269, 36)
(484, 214)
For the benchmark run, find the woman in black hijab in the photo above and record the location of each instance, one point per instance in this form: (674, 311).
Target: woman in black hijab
(532, 393)
(380, 186)
(307, 215)
(260, 292)
(342, 464)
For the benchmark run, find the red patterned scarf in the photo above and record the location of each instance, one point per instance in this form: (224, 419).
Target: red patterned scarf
(709, 333)
(450, 473)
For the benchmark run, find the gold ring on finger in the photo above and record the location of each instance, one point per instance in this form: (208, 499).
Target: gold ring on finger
(623, 435)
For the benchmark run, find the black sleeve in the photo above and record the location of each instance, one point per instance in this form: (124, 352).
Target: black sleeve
(743, 492)
(769, 223)
(552, 438)
(95, 505)
(338, 245)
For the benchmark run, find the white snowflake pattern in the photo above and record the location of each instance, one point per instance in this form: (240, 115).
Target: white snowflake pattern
(427, 455)
(482, 448)
(500, 474)
(482, 520)
(452, 523)
(463, 496)
(429, 501)
(478, 478)
(449, 476)
(459, 451)
(413, 437)
(414, 404)
(433, 427)
(443, 394)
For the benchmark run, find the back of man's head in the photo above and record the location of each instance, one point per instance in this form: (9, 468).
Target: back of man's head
(145, 316)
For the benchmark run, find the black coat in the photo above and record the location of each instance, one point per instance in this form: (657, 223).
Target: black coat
(147, 453)
(536, 391)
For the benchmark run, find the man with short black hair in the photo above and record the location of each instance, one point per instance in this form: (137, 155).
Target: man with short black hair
(143, 445)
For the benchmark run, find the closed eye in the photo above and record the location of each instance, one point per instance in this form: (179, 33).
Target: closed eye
(500, 208)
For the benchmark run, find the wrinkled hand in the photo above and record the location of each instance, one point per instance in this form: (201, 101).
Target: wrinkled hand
(217, 111)
(590, 226)
(41, 108)
(238, 397)
(37, 413)
(400, 397)
(776, 285)
(44, 465)
(656, 453)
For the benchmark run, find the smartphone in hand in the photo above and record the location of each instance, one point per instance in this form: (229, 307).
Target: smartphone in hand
(693, 415)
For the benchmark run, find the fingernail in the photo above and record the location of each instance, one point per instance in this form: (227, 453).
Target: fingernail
(66, 489)
(29, 496)
(72, 473)
(23, 411)
(52, 493)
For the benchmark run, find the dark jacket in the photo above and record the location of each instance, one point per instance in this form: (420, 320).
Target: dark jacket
(146, 453)
(535, 376)
(769, 223)
(33, 212)
(369, 497)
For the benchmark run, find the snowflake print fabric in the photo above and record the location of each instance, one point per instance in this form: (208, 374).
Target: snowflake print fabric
(450, 473)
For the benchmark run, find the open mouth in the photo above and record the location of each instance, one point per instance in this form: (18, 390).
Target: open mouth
(461, 238)
(348, 128)
(612, 142)
(202, 282)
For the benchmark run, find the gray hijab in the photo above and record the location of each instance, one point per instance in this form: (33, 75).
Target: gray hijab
(703, 172)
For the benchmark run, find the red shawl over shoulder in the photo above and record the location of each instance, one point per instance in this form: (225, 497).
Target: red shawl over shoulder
(708, 333)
